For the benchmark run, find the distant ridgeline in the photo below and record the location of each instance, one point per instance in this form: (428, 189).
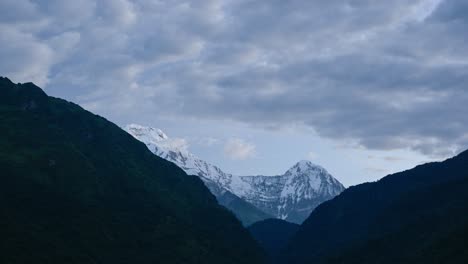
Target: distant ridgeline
(75, 188)
(291, 196)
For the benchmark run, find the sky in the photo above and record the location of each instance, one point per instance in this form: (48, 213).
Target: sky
(362, 87)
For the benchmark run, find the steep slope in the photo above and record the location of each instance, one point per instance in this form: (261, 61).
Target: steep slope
(416, 216)
(291, 196)
(273, 235)
(244, 211)
(75, 188)
(214, 178)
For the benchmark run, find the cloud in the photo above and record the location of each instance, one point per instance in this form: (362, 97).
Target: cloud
(383, 75)
(393, 159)
(376, 170)
(23, 57)
(238, 149)
(208, 141)
(312, 155)
(180, 144)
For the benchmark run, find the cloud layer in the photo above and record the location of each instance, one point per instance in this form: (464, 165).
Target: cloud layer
(380, 74)
(239, 149)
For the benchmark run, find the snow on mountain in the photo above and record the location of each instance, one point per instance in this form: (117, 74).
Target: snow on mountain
(175, 151)
(291, 196)
(218, 182)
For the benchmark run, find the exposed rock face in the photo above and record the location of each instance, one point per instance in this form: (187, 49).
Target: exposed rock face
(293, 195)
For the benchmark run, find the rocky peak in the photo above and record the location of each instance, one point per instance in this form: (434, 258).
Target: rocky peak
(303, 167)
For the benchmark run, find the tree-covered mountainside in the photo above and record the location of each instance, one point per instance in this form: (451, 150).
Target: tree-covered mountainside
(75, 188)
(415, 216)
(273, 235)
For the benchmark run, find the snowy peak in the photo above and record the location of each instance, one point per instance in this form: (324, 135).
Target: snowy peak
(175, 150)
(158, 142)
(305, 166)
(150, 133)
(223, 186)
(293, 195)
(305, 163)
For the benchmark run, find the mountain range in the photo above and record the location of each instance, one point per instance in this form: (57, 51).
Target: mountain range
(291, 196)
(76, 188)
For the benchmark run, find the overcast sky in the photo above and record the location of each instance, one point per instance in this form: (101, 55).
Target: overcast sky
(362, 87)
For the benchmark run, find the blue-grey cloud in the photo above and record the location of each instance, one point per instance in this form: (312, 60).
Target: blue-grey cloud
(381, 74)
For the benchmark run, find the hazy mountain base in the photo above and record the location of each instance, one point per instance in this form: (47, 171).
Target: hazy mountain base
(244, 211)
(75, 188)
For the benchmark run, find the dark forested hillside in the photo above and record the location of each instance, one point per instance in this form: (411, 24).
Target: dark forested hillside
(75, 188)
(273, 235)
(416, 216)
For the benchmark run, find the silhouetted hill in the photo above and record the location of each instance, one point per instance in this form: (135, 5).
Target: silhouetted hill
(75, 188)
(415, 216)
(273, 235)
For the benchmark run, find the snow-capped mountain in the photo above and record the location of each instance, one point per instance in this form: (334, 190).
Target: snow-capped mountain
(174, 151)
(217, 181)
(291, 196)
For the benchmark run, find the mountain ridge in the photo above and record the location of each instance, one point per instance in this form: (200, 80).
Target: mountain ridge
(213, 177)
(75, 188)
(414, 216)
(290, 196)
